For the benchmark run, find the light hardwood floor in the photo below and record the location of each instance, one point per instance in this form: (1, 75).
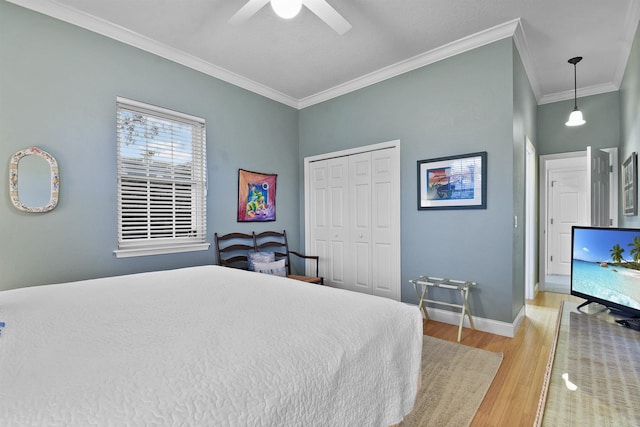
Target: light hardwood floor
(512, 399)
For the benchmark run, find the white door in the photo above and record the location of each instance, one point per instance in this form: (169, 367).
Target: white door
(598, 176)
(360, 216)
(372, 214)
(318, 220)
(339, 273)
(568, 207)
(328, 219)
(352, 202)
(385, 217)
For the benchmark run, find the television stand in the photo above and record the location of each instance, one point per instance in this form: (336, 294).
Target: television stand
(586, 303)
(593, 374)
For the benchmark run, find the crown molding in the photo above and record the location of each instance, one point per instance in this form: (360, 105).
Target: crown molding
(582, 92)
(88, 22)
(520, 41)
(511, 28)
(465, 44)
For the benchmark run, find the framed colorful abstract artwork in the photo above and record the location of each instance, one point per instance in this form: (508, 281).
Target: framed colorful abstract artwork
(456, 182)
(256, 196)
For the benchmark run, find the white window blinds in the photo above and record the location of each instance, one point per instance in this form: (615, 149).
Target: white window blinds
(161, 166)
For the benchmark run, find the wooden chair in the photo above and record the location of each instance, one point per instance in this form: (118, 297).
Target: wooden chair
(232, 249)
(272, 241)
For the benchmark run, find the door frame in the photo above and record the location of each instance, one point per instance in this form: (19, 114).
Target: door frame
(543, 203)
(531, 287)
(395, 144)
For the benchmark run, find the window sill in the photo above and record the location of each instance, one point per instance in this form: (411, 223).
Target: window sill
(160, 250)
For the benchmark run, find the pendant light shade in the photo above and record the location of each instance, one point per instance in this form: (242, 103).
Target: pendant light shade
(575, 118)
(286, 9)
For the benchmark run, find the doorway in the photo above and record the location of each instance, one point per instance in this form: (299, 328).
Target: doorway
(566, 199)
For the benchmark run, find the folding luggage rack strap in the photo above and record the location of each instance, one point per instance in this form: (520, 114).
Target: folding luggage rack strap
(422, 284)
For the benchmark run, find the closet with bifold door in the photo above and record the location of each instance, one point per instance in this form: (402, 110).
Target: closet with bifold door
(352, 221)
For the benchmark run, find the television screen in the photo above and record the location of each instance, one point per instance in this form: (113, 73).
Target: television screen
(605, 267)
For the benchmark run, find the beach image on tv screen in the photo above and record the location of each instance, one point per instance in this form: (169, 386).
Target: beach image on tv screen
(606, 265)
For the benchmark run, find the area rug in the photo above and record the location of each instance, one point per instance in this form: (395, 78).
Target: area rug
(455, 379)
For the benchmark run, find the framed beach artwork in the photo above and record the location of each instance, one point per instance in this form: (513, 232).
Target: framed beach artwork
(455, 182)
(630, 185)
(256, 196)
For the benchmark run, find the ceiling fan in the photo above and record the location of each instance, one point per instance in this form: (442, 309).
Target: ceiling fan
(290, 8)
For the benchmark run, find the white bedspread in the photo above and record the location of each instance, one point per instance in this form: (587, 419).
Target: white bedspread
(205, 346)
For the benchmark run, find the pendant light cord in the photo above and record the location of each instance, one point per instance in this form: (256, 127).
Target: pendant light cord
(575, 87)
(574, 61)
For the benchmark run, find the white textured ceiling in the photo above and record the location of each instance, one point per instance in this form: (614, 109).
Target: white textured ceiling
(303, 61)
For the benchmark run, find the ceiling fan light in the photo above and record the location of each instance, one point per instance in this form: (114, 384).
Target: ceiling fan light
(575, 118)
(286, 9)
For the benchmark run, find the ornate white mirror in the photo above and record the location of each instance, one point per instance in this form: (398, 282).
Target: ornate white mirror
(33, 180)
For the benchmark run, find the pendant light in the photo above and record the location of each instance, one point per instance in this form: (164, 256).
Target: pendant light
(286, 9)
(575, 118)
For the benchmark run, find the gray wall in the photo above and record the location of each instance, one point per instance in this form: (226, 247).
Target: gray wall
(601, 130)
(524, 125)
(459, 105)
(58, 88)
(630, 116)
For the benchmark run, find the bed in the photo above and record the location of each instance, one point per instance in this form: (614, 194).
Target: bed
(205, 346)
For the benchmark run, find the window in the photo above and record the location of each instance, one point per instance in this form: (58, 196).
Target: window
(161, 158)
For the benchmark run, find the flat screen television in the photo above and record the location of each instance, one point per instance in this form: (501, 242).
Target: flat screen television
(605, 268)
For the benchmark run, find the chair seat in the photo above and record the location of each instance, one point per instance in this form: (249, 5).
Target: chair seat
(308, 279)
(233, 251)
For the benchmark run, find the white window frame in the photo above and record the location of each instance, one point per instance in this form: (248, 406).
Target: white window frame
(150, 222)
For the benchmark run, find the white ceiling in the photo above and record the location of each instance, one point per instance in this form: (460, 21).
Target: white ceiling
(302, 61)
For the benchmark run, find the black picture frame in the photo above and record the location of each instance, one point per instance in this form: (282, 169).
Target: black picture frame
(630, 185)
(453, 182)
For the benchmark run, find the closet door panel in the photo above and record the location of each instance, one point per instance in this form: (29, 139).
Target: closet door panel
(318, 214)
(360, 218)
(382, 281)
(362, 267)
(340, 274)
(385, 257)
(337, 276)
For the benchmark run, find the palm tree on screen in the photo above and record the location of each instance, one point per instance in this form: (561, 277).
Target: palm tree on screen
(635, 252)
(616, 253)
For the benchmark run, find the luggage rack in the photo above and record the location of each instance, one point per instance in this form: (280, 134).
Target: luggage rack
(422, 283)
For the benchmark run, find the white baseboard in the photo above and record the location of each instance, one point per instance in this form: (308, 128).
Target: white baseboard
(481, 324)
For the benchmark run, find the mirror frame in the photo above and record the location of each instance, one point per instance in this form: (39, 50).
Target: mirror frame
(13, 180)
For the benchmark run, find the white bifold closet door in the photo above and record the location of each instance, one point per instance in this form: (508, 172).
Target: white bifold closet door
(354, 221)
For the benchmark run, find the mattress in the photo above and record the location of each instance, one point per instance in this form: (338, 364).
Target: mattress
(205, 346)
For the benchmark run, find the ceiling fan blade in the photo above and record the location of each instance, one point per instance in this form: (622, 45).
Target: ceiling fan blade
(328, 14)
(247, 11)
